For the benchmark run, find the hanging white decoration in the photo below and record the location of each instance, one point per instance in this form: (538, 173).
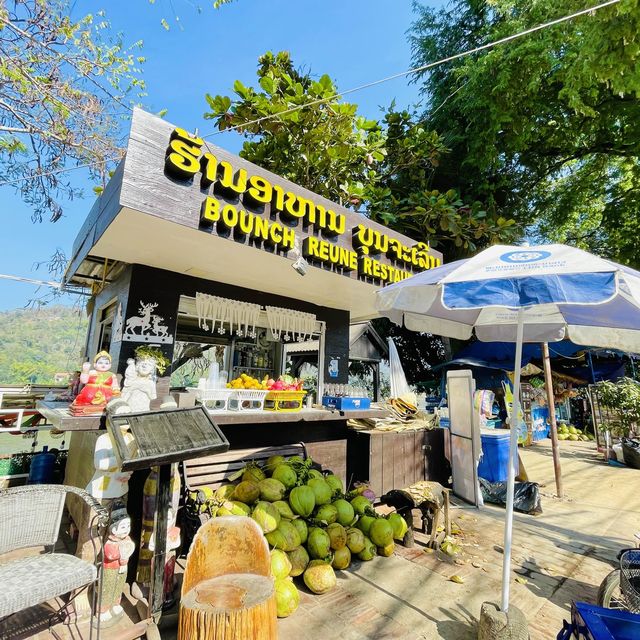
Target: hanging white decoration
(290, 325)
(215, 312)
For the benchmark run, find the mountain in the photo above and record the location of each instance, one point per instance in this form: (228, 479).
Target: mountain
(35, 344)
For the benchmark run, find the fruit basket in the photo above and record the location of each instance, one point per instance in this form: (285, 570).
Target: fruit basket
(213, 399)
(247, 399)
(285, 401)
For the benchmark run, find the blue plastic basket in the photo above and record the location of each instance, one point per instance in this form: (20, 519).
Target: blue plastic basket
(346, 403)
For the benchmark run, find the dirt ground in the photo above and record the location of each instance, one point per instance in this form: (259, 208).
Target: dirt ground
(559, 556)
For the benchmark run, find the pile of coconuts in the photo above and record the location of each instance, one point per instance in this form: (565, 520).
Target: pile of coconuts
(312, 526)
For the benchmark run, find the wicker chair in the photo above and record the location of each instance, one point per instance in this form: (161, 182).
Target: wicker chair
(30, 516)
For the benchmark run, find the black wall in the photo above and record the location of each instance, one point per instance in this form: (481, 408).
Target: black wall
(146, 284)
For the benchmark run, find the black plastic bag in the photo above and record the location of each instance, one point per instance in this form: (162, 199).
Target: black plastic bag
(631, 452)
(526, 497)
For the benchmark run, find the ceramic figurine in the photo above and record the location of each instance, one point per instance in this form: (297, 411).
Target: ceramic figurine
(100, 386)
(117, 550)
(108, 481)
(173, 542)
(143, 576)
(139, 387)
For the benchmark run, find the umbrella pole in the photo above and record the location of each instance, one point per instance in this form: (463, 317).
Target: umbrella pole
(513, 458)
(552, 418)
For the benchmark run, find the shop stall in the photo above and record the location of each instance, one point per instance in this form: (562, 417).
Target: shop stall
(191, 249)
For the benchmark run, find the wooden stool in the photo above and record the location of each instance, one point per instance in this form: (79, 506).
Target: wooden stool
(432, 499)
(227, 590)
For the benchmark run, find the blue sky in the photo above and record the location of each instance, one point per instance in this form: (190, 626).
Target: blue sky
(354, 41)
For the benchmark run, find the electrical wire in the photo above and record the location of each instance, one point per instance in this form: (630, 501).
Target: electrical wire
(424, 67)
(401, 74)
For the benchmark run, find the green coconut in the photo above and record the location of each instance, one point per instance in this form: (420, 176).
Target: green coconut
(272, 462)
(285, 536)
(335, 483)
(233, 508)
(314, 473)
(247, 491)
(364, 524)
(285, 474)
(299, 559)
(338, 535)
(398, 524)
(346, 514)
(280, 564)
(253, 472)
(387, 550)
(302, 500)
(285, 510)
(360, 505)
(341, 558)
(271, 490)
(327, 513)
(267, 516)
(287, 597)
(355, 540)
(321, 490)
(318, 543)
(302, 528)
(224, 492)
(319, 577)
(369, 551)
(381, 532)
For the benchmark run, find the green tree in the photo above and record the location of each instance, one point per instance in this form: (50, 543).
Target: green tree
(383, 168)
(326, 147)
(544, 129)
(65, 86)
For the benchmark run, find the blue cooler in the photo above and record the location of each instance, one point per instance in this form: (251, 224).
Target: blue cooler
(494, 464)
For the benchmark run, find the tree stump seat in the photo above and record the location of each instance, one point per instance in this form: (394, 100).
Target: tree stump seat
(227, 590)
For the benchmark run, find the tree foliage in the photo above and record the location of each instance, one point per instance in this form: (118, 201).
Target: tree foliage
(65, 87)
(546, 128)
(37, 344)
(384, 168)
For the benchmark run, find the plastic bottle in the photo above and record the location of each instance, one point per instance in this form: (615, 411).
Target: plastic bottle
(41, 470)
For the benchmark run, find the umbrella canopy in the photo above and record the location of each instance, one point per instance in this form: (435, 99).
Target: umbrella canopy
(522, 294)
(564, 293)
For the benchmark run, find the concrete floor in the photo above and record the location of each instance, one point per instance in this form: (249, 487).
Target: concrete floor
(559, 556)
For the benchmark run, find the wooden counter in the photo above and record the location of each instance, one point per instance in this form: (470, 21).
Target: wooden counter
(57, 413)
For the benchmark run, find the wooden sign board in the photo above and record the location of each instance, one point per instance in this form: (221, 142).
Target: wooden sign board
(164, 437)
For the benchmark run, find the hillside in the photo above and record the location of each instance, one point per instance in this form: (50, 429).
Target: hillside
(35, 344)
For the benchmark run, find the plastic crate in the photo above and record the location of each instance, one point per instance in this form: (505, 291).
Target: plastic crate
(214, 399)
(589, 622)
(247, 399)
(346, 403)
(284, 401)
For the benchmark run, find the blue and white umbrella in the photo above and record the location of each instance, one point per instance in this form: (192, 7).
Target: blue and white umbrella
(522, 294)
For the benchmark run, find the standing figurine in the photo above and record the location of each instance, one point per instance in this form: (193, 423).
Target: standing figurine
(143, 576)
(173, 542)
(139, 387)
(116, 553)
(100, 385)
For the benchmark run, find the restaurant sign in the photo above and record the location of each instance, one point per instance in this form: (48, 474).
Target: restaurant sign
(186, 158)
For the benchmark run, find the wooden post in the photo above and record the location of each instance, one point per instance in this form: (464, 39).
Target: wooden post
(163, 499)
(552, 418)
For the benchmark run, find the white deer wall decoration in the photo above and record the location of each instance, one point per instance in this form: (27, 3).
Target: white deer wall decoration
(146, 327)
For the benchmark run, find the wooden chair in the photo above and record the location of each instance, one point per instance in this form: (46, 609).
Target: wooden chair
(227, 588)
